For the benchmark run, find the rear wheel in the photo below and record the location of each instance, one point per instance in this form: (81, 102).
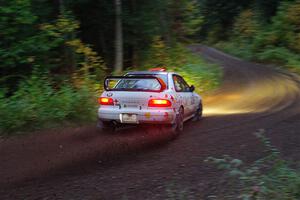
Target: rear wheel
(177, 126)
(106, 126)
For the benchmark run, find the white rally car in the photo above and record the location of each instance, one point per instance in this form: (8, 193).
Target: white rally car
(154, 97)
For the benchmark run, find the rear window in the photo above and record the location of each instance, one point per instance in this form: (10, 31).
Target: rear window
(138, 84)
(134, 83)
(164, 77)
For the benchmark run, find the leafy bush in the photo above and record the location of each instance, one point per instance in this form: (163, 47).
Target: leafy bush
(245, 27)
(268, 178)
(280, 56)
(239, 49)
(205, 77)
(37, 103)
(273, 42)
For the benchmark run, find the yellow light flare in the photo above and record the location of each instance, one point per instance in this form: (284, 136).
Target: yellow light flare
(270, 94)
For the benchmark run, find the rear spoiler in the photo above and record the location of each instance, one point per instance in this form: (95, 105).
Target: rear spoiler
(161, 82)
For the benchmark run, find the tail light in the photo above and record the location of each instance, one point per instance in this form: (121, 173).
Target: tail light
(159, 103)
(106, 101)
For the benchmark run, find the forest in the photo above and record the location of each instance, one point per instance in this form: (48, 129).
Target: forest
(55, 54)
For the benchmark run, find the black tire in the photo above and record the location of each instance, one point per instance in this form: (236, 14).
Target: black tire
(105, 126)
(177, 127)
(198, 113)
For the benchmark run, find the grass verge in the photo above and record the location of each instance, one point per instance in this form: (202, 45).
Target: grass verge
(195, 70)
(38, 103)
(270, 177)
(278, 56)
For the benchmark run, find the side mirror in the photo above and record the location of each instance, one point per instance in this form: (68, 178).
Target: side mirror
(192, 88)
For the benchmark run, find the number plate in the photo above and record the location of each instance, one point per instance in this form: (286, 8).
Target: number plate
(129, 118)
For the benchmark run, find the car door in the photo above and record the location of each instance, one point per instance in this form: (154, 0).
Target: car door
(190, 98)
(184, 94)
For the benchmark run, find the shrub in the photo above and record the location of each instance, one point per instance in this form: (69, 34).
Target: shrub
(242, 50)
(246, 26)
(274, 42)
(38, 103)
(268, 178)
(205, 77)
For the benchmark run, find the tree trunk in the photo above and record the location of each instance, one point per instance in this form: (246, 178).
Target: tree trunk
(119, 38)
(69, 61)
(61, 7)
(165, 29)
(134, 46)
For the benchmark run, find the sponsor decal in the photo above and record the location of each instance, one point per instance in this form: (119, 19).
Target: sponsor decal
(148, 115)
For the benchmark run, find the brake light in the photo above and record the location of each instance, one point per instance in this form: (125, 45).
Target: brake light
(159, 103)
(106, 101)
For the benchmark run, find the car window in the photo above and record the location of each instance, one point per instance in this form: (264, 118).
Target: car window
(186, 86)
(139, 84)
(180, 84)
(164, 77)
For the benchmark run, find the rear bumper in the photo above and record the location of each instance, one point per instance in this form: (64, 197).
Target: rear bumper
(143, 116)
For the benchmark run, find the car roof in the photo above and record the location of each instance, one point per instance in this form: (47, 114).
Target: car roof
(149, 72)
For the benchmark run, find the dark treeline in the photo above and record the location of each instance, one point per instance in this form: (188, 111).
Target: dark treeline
(172, 20)
(265, 31)
(220, 16)
(44, 35)
(55, 53)
(40, 34)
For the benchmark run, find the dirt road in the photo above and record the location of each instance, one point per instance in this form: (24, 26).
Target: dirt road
(143, 163)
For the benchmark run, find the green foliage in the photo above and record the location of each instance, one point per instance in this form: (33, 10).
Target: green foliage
(178, 192)
(89, 62)
(239, 49)
(192, 18)
(74, 53)
(27, 45)
(185, 19)
(219, 17)
(245, 26)
(174, 20)
(20, 39)
(38, 104)
(30, 53)
(40, 39)
(205, 77)
(266, 9)
(275, 42)
(267, 178)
